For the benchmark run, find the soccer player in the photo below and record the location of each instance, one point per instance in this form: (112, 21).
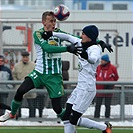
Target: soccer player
(47, 71)
(85, 91)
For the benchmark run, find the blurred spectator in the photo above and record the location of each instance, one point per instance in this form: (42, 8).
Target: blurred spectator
(105, 72)
(5, 74)
(20, 71)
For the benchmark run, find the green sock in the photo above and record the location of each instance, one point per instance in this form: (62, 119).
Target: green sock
(61, 114)
(15, 106)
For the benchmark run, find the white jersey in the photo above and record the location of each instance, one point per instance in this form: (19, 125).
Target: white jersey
(87, 68)
(85, 91)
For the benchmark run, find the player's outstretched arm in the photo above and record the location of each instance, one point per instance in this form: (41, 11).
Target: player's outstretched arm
(66, 37)
(105, 45)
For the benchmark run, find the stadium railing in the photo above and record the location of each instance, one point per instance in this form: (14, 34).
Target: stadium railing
(122, 100)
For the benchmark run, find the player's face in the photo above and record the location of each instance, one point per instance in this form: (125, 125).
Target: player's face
(49, 23)
(85, 38)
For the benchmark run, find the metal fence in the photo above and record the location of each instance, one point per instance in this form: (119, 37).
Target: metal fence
(16, 36)
(121, 105)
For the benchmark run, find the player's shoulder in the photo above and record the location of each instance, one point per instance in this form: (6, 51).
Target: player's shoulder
(41, 30)
(59, 30)
(94, 47)
(98, 47)
(38, 33)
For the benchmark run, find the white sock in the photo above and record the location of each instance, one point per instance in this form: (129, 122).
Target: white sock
(85, 122)
(68, 127)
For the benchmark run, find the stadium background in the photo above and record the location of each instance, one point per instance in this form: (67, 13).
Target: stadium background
(114, 19)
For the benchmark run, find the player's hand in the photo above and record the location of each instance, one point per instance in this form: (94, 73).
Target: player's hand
(105, 45)
(84, 55)
(47, 34)
(82, 52)
(72, 49)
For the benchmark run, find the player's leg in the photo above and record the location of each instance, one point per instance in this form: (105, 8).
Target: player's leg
(33, 80)
(26, 86)
(67, 111)
(77, 107)
(68, 127)
(56, 105)
(54, 86)
(91, 124)
(64, 115)
(81, 104)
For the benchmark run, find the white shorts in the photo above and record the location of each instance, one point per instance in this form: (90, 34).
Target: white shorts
(81, 99)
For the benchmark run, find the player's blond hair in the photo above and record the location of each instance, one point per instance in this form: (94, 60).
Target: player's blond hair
(47, 13)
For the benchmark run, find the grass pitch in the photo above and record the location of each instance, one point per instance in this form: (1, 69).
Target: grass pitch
(56, 130)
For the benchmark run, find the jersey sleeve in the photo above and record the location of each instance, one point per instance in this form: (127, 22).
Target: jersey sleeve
(67, 37)
(94, 55)
(46, 47)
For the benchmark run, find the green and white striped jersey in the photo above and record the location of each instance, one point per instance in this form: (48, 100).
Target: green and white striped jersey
(48, 53)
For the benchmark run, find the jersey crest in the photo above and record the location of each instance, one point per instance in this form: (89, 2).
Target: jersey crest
(53, 42)
(80, 67)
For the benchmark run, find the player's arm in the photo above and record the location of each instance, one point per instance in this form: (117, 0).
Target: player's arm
(62, 35)
(94, 55)
(44, 44)
(59, 49)
(66, 37)
(73, 39)
(105, 45)
(53, 49)
(50, 48)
